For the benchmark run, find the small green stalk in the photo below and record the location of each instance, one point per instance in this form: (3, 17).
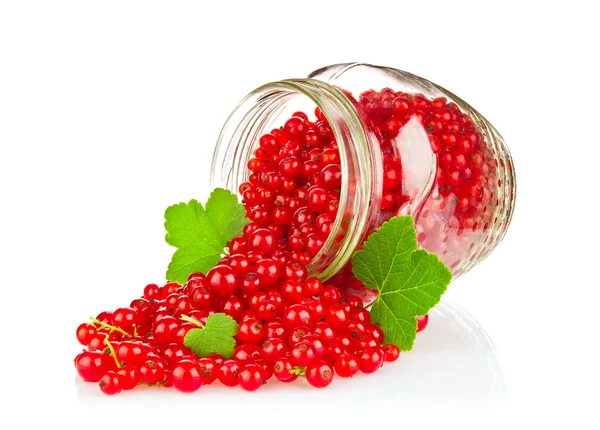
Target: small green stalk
(111, 327)
(191, 320)
(112, 350)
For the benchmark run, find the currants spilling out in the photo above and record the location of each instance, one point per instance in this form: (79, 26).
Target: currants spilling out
(290, 323)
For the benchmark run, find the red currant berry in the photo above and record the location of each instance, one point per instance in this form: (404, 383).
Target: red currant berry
(275, 329)
(267, 310)
(109, 384)
(85, 332)
(346, 365)
(355, 329)
(168, 289)
(422, 322)
(143, 309)
(185, 376)
(360, 315)
(391, 352)
(268, 272)
(262, 240)
(251, 331)
(222, 281)
(172, 353)
(302, 354)
(238, 244)
(312, 287)
(371, 359)
(267, 369)
(151, 291)
(92, 365)
(316, 345)
(228, 373)
(337, 316)
(196, 275)
(201, 297)
(325, 332)
(295, 272)
(273, 349)
(208, 370)
(295, 127)
(233, 307)
(296, 315)
(330, 295)
(298, 333)
(124, 318)
(365, 342)
(251, 283)
(292, 291)
(331, 177)
(96, 341)
(165, 330)
(290, 167)
(129, 377)
(282, 368)
(131, 353)
(376, 332)
(250, 377)
(239, 263)
(151, 372)
(217, 358)
(319, 374)
(246, 353)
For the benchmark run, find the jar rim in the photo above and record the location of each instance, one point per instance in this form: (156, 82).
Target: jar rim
(255, 115)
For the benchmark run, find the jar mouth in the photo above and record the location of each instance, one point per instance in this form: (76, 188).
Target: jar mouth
(258, 114)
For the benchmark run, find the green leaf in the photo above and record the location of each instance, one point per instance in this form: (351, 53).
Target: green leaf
(201, 234)
(398, 329)
(215, 337)
(410, 281)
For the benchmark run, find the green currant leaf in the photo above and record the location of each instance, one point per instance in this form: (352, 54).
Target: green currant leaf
(410, 281)
(201, 234)
(215, 337)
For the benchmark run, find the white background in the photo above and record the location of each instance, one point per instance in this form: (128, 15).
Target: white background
(109, 112)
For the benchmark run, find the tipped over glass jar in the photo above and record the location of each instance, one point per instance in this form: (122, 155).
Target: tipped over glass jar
(323, 161)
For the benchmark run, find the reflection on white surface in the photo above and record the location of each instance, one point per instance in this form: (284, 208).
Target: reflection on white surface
(453, 364)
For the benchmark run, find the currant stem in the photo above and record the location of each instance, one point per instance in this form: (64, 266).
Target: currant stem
(112, 351)
(300, 371)
(111, 327)
(191, 320)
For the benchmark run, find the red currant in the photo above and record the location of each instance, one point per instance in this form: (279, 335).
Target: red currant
(222, 281)
(185, 376)
(282, 368)
(391, 352)
(250, 377)
(371, 359)
(228, 373)
(92, 365)
(346, 365)
(422, 322)
(85, 332)
(251, 331)
(109, 384)
(302, 354)
(319, 374)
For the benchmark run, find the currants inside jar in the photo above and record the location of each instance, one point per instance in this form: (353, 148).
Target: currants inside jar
(294, 182)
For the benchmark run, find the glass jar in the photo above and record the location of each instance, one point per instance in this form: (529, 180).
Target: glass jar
(406, 146)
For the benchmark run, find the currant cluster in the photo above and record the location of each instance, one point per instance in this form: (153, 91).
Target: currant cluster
(289, 324)
(279, 335)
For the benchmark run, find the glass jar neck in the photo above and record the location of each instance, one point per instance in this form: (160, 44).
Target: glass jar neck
(360, 159)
